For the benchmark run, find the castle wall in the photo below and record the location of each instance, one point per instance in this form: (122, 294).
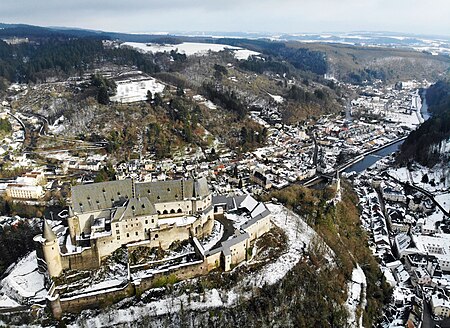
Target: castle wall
(169, 209)
(239, 252)
(95, 300)
(86, 260)
(213, 261)
(168, 234)
(259, 228)
(186, 272)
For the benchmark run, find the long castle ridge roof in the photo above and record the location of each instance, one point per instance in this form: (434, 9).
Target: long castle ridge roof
(104, 195)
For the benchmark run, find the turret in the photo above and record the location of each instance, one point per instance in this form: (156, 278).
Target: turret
(50, 248)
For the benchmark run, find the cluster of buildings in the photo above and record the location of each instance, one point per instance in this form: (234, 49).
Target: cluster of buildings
(29, 186)
(409, 235)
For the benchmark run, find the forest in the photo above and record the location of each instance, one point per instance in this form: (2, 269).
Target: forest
(31, 62)
(422, 145)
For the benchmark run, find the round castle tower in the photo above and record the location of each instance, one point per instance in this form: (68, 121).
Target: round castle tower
(50, 248)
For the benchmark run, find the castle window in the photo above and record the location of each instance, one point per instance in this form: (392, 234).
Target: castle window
(158, 197)
(148, 191)
(153, 220)
(137, 233)
(126, 226)
(180, 210)
(143, 205)
(128, 235)
(146, 221)
(168, 189)
(172, 211)
(103, 190)
(118, 193)
(165, 212)
(156, 236)
(159, 212)
(132, 207)
(117, 232)
(117, 225)
(132, 225)
(118, 237)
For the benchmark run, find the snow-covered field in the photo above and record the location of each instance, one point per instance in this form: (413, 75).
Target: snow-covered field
(278, 99)
(131, 91)
(202, 100)
(299, 236)
(191, 48)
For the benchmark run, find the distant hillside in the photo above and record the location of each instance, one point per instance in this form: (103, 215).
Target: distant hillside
(355, 64)
(427, 144)
(349, 63)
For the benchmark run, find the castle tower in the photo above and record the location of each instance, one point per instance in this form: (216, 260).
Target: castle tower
(50, 248)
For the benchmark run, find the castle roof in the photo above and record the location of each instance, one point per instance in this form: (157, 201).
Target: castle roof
(97, 196)
(133, 208)
(172, 190)
(47, 232)
(104, 195)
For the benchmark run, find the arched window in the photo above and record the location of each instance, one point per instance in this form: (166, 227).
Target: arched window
(172, 211)
(159, 212)
(165, 212)
(180, 210)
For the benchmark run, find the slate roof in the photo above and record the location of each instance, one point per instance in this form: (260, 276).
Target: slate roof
(98, 196)
(133, 208)
(172, 190)
(104, 195)
(47, 232)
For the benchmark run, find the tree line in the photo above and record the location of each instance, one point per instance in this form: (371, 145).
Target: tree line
(422, 144)
(31, 62)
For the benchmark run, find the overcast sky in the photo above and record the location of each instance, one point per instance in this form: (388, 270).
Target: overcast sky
(274, 16)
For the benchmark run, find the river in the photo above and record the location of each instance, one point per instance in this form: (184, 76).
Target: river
(373, 158)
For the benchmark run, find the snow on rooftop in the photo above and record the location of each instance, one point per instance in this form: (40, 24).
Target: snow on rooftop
(183, 221)
(249, 203)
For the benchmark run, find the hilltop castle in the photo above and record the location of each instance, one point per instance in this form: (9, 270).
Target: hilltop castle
(104, 216)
